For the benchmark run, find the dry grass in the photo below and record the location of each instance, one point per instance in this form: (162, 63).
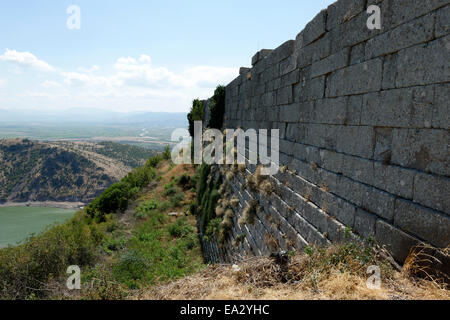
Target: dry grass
(333, 273)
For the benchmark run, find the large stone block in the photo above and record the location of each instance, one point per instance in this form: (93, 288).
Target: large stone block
(309, 90)
(441, 107)
(331, 63)
(283, 51)
(407, 108)
(284, 95)
(394, 179)
(330, 111)
(389, 71)
(432, 191)
(355, 79)
(260, 55)
(340, 209)
(342, 11)
(358, 169)
(331, 160)
(290, 113)
(426, 224)
(379, 202)
(314, 51)
(364, 223)
(427, 150)
(442, 21)
(396, 12)
(397, 242)
(358, 53)
(296, 132)
(316, 28)
(417, 31)
(352, 32)
(322, 135)
(383, 144)
(356, 140)
(424, 64)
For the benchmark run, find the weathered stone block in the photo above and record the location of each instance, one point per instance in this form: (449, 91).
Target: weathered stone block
(389, 71)
(396, 12)
(358, 169)
(441, 107)
(287, 65)
(424, 64)
(342, 11)
(284, 95)
(432, 191)
(379, 202)
(309, 90)
(427, 149)
(290, 113)
(260, 55)
(314, 51)
(442, 21)
(283, 51)
(322, 135)
(426, 224)
(397, 242)
(355, 79)
(331, 160)
(331, 63)
(354, 107)
(358, 53)
(296, 132)
(316, 28)
(394, 179)
(330, 111)
(340, 209)
(417, 31)
(356, 141)
(383, 145)
(408, 108)
(364, 223)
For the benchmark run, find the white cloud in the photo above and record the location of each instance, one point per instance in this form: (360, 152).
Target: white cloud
(51, 84)
(2, 82)
(135, 84)
(25, 59)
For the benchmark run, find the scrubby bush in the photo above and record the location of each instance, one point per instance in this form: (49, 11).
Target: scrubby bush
(116, 197)
(217, 108)
(197, 113)
(25, 269)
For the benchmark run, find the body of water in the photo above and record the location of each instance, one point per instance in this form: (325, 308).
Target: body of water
(17, 223)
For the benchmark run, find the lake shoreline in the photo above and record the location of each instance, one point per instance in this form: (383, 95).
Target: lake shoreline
(49, 204)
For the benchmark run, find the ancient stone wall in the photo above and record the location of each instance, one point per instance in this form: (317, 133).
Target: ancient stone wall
(364, 125)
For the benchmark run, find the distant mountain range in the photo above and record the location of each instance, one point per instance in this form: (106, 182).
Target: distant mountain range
(93, 116)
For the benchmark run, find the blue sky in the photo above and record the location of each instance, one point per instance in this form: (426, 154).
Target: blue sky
(136, 54)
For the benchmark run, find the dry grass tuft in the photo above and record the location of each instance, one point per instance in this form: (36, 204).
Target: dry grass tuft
(249, 213)
(337, 272)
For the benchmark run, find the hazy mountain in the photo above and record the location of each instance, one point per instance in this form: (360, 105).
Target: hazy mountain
(92, 116)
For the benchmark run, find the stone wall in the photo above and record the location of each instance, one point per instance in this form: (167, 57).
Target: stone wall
(364, 125)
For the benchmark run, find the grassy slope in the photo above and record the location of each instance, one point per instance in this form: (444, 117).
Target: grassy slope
(119, 253)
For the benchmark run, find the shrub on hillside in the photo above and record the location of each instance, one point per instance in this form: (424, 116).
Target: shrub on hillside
(196, 114)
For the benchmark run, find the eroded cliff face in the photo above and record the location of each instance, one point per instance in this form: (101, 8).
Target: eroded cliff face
(364, 134)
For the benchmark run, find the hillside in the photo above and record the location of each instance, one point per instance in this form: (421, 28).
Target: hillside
(147, 247)
(62, 171)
